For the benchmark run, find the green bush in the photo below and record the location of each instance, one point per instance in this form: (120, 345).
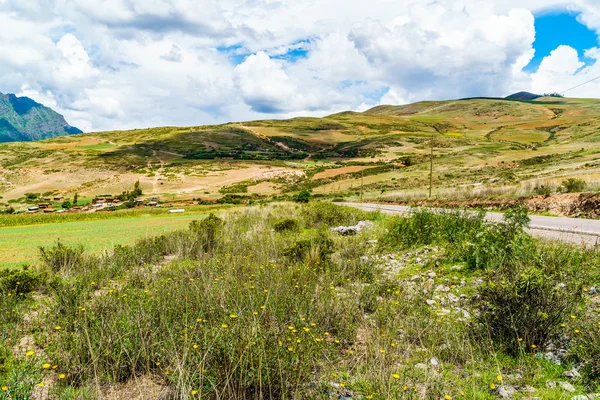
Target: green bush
(543, 190)
(585, 349)
(61, 257)
(573, 185)
(304, 196)
(287, 224)
(207, 231)
(425, 227)
(495, 245)
(521, 309)
(20, 281)
(319, 213)
(315, 248)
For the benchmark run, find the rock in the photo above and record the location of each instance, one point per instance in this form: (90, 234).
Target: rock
(452, 298)
(552, 357)
(432, 274)
(374, 241)
(568, 387)
(430, 302)
(587, 397)
(529, 389)
(550, 384)
(420, 366)
(434, 361)
(593, 291)
(506, 392)
(442, 288)
(456, 268)
(573, 373)
(352, 230)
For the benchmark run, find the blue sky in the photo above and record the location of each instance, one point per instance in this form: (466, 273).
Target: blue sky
(556, 28)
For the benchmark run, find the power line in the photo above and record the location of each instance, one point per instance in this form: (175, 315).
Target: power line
(584, 83)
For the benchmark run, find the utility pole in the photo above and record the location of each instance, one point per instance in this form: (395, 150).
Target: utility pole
(361, 185)
(431, 165)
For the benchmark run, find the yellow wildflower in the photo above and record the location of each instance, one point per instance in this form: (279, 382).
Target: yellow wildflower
(395, 376)
(46, 366)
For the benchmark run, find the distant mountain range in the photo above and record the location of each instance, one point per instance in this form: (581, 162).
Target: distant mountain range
(22, 119)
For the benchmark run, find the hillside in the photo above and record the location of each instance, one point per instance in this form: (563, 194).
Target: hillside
(482, 147)
(22, 119)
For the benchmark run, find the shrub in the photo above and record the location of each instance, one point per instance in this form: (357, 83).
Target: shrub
(304, 196)
(9, 210)
(543, 190)
(573, 185)
(327, 214)
(497, 244)
(287, 224)
(585, 349)
(523, 307)
(426, 227)
(315, 249)
(61, 257)
(20, 281)
(207, 230)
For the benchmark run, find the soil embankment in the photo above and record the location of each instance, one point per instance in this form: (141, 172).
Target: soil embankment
(575, 205)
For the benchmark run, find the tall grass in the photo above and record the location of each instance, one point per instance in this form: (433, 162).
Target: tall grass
(234, 309)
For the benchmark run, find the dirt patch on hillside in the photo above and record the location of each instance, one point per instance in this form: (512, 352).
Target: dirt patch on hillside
(581, 205)
(329, 173)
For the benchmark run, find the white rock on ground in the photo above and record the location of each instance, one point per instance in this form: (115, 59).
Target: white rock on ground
(352, 230)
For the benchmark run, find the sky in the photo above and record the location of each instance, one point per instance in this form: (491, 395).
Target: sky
(124, 64)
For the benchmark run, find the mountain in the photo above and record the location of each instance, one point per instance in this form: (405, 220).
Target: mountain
(22, 119)
(523, 96)
(482, 147)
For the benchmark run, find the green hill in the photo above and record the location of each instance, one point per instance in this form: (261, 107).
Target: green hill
(22, 119)
(481, 147)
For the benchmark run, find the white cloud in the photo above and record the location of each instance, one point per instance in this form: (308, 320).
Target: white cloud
(114, 64)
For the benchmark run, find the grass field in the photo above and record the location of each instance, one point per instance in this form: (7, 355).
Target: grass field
(19, 244)
(267, 303)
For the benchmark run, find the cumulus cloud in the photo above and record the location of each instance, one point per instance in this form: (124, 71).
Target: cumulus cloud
(264, 85)
(117, 64)
(174, 55)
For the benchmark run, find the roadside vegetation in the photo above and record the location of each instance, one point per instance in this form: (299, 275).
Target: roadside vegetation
(267, 302)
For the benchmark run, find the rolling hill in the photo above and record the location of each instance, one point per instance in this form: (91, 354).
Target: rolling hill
(22, 119)
(482, 147)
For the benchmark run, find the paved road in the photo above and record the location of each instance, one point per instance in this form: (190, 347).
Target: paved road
(572, 230)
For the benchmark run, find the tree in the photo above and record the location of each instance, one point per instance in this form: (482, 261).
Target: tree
(137, 190)
(67, 204)
(75, 199)
(304, 196)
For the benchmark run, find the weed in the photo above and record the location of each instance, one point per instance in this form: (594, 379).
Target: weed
(287, 224)
(61, 257)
